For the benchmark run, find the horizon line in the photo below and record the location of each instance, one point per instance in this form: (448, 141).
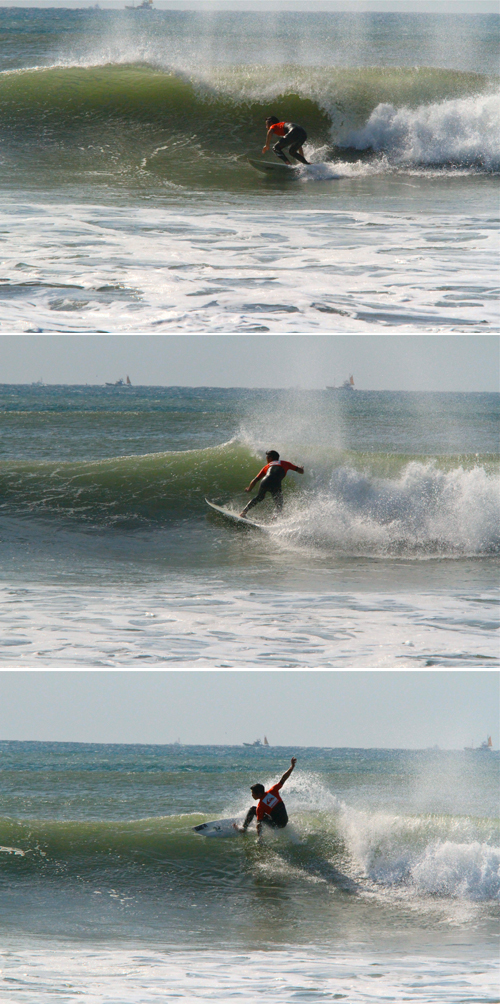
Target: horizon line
(187, 386)
(401, 749)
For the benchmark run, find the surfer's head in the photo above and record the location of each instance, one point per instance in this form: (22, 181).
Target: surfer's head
(272, 120)
(272, 455)
(258, 790)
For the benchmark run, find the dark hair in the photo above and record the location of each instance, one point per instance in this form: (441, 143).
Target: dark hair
(272, 120)
(272, 454)
(258, 789)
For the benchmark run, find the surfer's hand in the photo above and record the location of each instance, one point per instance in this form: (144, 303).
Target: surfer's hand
(248, 489)
(294, 761)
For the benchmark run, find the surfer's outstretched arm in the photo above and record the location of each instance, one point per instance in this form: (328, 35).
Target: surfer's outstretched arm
(287, 773)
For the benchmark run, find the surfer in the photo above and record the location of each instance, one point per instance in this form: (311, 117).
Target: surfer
(290, 134)
(272, 474)
(271, 808)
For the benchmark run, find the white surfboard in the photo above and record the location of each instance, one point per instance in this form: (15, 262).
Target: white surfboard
(233, 517)
(218, 828)
(271, 166)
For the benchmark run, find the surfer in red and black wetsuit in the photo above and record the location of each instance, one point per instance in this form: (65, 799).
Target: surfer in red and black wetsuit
(290, 134)
(272, 474)
(271, 808)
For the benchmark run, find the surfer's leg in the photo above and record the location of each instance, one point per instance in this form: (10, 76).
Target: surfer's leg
(249, 505)
(278, 499)
(267, 821)
(297, 138)
(298, 154)
(258, 498)
(279, 816)
(279, 152)
(268, 484)
(252, 812)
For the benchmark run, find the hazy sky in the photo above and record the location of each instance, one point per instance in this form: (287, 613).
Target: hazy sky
(378, 362)
(305, 708)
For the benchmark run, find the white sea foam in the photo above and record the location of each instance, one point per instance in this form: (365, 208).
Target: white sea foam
(102, 975)
(208, 626)
(463, 131)
(324, 271)
(426, 854)
(425, 511)
(471, 871)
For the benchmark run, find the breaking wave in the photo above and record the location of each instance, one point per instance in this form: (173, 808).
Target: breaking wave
(449, 857)
(436, 855)
(143, 119)
(356, 503)
(464, 132)
(423, 510)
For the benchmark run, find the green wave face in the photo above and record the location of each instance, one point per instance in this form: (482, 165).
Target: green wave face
(146, 123)
(155, 487)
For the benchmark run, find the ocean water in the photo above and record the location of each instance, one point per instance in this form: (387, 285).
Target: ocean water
(384, 886)
(386, 554)
(128, 202)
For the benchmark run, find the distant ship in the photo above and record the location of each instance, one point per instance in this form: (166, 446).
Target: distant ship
(120, 383)
(347, 385)
(485, 747)
(258, 742)
(145, 5)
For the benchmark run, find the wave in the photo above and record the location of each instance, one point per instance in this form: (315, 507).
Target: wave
(463, 131)
(424, 511)
(151, 487)
(357, 852)
(141, 118)
(357, 503)
(439, 855)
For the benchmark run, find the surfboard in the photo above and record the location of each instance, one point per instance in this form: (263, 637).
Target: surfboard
(233, 517)
(271, 166)
(218, 828)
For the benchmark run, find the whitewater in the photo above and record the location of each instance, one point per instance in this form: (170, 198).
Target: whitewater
(128, 200)
(384, 885)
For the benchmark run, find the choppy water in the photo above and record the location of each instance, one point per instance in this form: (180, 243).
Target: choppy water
(129, 203)
(387, 553)
(385, 884)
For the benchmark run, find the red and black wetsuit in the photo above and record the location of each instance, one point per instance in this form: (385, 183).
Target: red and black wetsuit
(291, 136)
(272, 475)
(270, 810)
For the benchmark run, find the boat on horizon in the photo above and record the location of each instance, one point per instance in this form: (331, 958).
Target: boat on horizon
(120, 383)
(258, 742)
(485, 747)
(347, 385)
(145, 5)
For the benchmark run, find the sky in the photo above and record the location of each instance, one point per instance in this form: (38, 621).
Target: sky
(377, 362)
(400, 709)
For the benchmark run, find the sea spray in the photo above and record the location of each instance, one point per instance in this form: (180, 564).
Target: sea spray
(423, 511)
(442, 855)
(462, 132)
